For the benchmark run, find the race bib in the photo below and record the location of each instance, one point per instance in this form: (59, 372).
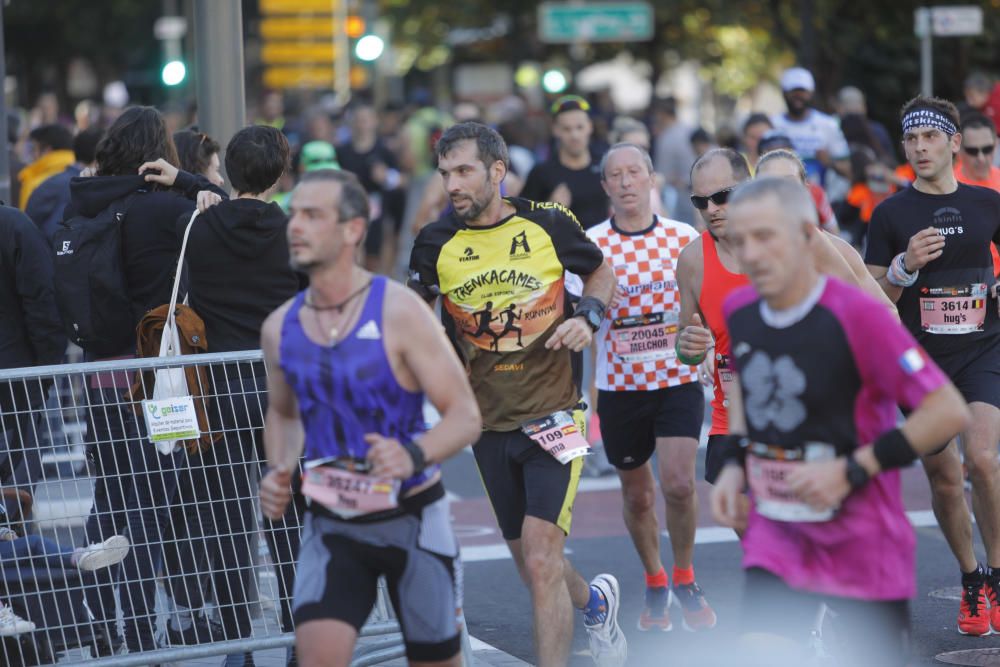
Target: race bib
(768, 467)
(347, 490)
(953, 310)
(727, 377)
(644, 337)
(559, 435)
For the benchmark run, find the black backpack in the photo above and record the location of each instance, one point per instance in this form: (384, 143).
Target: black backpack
(90, 281)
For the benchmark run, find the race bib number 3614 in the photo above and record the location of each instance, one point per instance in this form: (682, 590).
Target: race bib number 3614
(953, 310)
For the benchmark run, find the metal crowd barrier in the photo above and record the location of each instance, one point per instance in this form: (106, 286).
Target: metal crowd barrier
(200, 551)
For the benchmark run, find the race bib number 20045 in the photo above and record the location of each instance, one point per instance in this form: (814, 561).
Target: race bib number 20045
(647, 337)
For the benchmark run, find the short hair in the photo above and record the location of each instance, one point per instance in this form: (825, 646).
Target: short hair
(700, 135)
(256, 157)
(625, 144)
(851, 98)
(353, 197)
(756, 118)
(975, 119)
(138, 135)
(85, 144)
(738, 163)
(489, 144)
(55, 136)
(792, 197)
(195, 150)
(622, 125)
(979, 81)
(943, 107)
(783, 154)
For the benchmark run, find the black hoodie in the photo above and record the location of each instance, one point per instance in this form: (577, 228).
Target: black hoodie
(238, 271)
(150, 243)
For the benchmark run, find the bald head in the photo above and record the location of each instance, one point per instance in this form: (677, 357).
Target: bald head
(793, 198)
(719, 159)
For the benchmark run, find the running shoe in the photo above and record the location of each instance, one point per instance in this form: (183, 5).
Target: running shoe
(607, 642)
(974, 612)
(656, 614)
(104, 554)
(698, 615)
(993, 595)
(11, 624)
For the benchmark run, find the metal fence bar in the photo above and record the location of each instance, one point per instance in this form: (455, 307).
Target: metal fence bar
(192, 517)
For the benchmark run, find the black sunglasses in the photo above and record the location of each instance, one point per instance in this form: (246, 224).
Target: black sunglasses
(973, 151)
(718, 198)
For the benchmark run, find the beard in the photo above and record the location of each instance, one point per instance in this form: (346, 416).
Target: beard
(477, 204)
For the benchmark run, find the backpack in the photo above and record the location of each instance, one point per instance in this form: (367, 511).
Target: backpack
(89, 283)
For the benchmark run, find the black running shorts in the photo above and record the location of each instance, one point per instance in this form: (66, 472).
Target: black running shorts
(975, 372)
(631, 421)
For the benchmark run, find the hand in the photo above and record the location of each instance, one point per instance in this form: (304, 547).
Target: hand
(706, 372)
(276, 492)
(822, 484)
(562, 195)
(694, 339)
(574, 333)
(729, 504)
(379, 173)
(207, 199)
(823, 156)
(924, 246)
(388, 458)
(160, 171)
(619, 296)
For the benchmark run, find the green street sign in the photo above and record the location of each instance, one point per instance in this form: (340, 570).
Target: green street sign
(565, 22)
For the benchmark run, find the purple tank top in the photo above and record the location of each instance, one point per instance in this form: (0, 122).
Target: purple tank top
(348, 390)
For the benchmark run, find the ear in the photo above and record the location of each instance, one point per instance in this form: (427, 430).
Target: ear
(956, 142)
(355, 230)
(604, 184)
(498, 171)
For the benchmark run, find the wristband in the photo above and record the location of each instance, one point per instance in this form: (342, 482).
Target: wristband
(734, 449)
(857, 476)
(416, 455)
(893, 450)
(688, 361)
(898, 275)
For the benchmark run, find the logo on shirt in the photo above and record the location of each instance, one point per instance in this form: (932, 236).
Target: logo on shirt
(519, 245)
(66, 250)
(911, 361)
(773, 391)
(369, 331)
(948, 221)
(468, 255)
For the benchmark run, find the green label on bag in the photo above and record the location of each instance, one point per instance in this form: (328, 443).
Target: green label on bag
(171, 419)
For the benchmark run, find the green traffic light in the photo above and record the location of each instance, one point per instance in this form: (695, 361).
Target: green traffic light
(173, 73)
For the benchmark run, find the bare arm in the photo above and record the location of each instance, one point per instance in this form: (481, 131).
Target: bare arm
(879, 275)
(574, 333)
(857, 272)
(694, 339)
(729, 505)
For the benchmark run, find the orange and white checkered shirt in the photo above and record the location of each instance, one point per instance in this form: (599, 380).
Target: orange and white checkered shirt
(645, 265)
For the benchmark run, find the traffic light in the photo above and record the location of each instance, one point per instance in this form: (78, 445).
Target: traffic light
(173, 73)
(369, 48)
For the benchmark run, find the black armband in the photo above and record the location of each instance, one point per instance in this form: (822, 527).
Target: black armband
(893, 450)
(734, 449)
(416, 455)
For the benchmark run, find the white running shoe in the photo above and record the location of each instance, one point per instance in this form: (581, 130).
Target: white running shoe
(607, 641)
(11, 624)
(110, 551)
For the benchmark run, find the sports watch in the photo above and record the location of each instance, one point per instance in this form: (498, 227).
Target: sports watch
(592, 311)
(857, 476)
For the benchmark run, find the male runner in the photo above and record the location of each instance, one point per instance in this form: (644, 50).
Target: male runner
(812, 433)
(647, 400)
(528, 453)
(707, 272)
(350, 360)
(929, 249)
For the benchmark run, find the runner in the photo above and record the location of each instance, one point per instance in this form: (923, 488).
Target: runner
(647, 400)
(514, 251)
(929, 249)
(815, 428)
(350, 361)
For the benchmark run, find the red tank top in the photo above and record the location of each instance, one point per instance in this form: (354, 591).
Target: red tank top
(716, 284)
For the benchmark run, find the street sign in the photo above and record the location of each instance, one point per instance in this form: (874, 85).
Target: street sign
(295, 53)
(299, 77)
(297, 27)
(565, 22)
(948, 20)
(297, 6)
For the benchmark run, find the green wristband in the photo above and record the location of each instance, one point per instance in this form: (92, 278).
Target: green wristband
(690, 361)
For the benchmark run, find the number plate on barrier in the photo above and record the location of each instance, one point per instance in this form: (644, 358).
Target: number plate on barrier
(559, 435)
(171, 419)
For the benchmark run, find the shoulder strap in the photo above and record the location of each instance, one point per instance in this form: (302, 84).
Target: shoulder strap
(177, 274)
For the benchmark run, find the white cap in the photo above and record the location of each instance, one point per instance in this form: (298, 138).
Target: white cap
(795, 78)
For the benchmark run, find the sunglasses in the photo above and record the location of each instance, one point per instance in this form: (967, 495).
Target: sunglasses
(973, 151)
(570, 103)
(718, 198)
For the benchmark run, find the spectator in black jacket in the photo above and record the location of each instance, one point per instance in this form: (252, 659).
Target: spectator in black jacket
(48, 201)
(134, 484)
(30, 335)
(238, 272)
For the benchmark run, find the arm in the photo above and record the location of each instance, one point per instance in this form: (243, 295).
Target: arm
(283, 435)
(729, 505)
(840, 259)
(575, 333)
(694, 339)
(162, 172)
(428, 364)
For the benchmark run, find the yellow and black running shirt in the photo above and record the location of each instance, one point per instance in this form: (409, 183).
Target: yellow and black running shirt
(503, 297)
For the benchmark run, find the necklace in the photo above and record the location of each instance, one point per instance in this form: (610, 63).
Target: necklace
(339, 307)
(334, 332)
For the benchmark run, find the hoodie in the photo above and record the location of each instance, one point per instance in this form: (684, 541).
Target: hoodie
(150, 244)
(238, 270)
(32, 176)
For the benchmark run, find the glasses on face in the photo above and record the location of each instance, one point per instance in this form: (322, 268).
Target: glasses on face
(719, 198)
(973, 151)
(570, 103)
